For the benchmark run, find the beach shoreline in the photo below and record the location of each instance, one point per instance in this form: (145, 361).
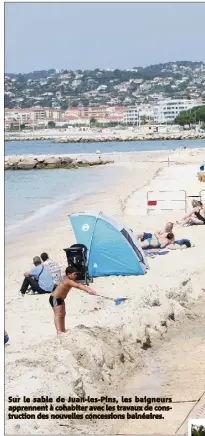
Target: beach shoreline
(89, 356)
(80, 160)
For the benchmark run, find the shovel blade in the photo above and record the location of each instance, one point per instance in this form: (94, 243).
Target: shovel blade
(120, 300)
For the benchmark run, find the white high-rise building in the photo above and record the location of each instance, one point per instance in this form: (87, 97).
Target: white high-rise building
(133, 114)
(166, 111)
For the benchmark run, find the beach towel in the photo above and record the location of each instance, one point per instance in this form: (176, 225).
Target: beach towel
(183, 242)
(155, 253)
(190, 223)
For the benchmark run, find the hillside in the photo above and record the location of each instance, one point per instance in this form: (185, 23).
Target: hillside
(66, 88)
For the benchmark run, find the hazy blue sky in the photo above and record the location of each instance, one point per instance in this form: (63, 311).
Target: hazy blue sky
(105, 35)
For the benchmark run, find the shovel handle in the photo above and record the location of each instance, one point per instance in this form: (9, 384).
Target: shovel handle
(107, 298)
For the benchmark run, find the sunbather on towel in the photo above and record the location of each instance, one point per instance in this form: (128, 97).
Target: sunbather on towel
(161, 233)
(161, 242)
(196, 216)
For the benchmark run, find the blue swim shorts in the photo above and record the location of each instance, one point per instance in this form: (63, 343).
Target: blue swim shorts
(146, 236)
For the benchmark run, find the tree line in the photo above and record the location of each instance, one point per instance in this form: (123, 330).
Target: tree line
(192, 116)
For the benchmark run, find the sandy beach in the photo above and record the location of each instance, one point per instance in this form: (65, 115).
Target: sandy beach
(145, 346)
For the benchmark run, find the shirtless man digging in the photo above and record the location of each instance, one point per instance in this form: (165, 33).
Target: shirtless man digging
(58, 296)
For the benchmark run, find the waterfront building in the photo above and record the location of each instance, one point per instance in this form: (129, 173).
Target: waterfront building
(134, 115)
(102, 114)
(165, 111)
(31, 116)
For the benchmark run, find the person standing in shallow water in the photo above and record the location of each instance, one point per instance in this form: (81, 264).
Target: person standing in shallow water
(58, 296)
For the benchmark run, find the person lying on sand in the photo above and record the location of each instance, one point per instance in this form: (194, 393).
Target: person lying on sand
(58, 296)
(161, 233)
(196, 216)
(161, 242)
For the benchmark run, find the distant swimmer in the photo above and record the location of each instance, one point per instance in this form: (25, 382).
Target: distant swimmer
(161, 242)
(58, 296)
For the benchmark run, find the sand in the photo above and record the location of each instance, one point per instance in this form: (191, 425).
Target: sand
(145, 346)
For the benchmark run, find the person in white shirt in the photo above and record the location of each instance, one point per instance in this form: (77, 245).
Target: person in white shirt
(53, 268)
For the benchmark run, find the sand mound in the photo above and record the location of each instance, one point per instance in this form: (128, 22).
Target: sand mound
(91, 360)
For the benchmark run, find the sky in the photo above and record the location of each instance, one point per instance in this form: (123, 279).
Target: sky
(101, 35)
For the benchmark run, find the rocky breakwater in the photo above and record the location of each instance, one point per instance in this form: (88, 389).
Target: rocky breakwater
(30, 162)
(130, 138)
(112, 137)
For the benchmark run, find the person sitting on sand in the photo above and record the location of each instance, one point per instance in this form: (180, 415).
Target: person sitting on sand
(53, 267)
(196, 216)
(58, 296)
(161, 233)
(161, 242)
(39, 279)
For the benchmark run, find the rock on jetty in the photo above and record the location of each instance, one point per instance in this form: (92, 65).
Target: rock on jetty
(30, 162)
(122, 137)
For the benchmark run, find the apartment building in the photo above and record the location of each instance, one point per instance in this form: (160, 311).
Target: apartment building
(99, 113)
(41, 114)
(22, 115)
(35, 115)
(133, 114)
(166, 111)
(16, 117)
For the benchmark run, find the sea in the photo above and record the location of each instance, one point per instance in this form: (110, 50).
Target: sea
(33, 197)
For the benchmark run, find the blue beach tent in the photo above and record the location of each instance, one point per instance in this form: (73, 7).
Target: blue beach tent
(112, 249)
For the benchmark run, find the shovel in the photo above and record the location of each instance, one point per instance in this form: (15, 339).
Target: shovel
(117, 301)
